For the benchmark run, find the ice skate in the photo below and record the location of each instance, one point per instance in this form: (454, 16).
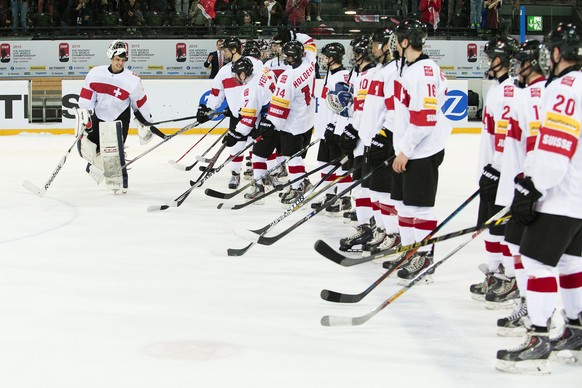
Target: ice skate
(363, 234)
(391, 240)
(379, 236)
(567, 348)
(234, 180)
(342, 204)
(415, 265)
(513, 325)
(328, 198)
(478, 290)
(531, 357)
(350, 216)
(256, 191)
(503, 294)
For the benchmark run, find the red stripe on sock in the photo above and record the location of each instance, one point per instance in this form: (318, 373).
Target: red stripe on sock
(406, 222)
(571, 281)
(259, 165)
(375, 206)
(424, 224)
(492, 246)
(273, 156)
(296, 169)
(238, 159)
(363, 202)
(505, 250)
(346, 179)
(387, 209)
(251, 154)
(542, 284)
(517, 264)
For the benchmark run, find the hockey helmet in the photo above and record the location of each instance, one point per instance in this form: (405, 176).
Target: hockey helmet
(360, 46)
(243, 65)
(117, 48)
(334, 50)
(341, 99)
(284, 35)
(413, 30)
(528, 51)
(232, 42)
(503, 48)
(251, 48)
(293, 51)
(567, 39)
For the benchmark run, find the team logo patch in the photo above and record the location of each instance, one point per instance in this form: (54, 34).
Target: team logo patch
(536, 92)
(568, 81)
(508, 91)
(428, 71)
(283, 79)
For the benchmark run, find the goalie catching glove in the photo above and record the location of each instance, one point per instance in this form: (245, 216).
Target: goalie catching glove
(202, 114)
(525, 198)
(144, 131)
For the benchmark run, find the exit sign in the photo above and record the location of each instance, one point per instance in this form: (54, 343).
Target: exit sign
(534, 23)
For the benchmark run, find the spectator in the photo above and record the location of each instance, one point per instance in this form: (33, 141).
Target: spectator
(295, 10)
(50, 7)
(182, 6)
(19, 10)
(248, 28)
(317, 4)
(82, 14)
(475, 18)
(491, 8)
(4, 11)
(271, 13)
(215, 60)
(197, 18)
(131, 14)
(430, 11)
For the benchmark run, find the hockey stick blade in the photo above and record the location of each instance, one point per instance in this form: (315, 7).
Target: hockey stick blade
(33, 188)
(334, 320)
(157, 208)
(337, 297)
(239, 252)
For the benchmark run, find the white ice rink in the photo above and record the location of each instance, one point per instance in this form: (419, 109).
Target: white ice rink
(97, 293)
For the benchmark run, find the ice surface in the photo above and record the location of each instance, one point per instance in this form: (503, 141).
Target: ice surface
(96, 292)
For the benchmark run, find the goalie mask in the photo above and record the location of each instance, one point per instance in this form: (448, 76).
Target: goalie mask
(341, 99)
(117, 48)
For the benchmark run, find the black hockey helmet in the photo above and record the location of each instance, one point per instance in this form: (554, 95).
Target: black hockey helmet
(334, 50)
(232, 42)
(567, 39)
(360, 49)
(284, 35)
(251, 48)
(414, 30)
(529, 51)
(293, 51)
(504, 48)
(243, 65)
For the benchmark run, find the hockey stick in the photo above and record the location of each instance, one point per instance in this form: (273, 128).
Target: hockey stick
(279, 188)
(329, 253)
(40, 192)
(299, 202)
(190, 167)
(142, 119)
(266, 240)
(338, 297)
(218, 194)
(330, 320)
(195, 144)
(210, 171)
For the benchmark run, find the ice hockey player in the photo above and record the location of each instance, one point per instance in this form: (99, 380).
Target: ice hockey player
(292, 112)
(109, 94)
(376, 131)
(421, 133)
(499, 52)
(225, 86)
(329, 124)
(524, 124)
(548, 200)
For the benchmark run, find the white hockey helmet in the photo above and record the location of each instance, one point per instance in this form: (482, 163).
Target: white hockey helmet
(119, 48)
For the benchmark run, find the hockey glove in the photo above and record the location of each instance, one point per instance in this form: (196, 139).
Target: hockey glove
(380, 149)
(226, 112)
(233, 137)
(488, 183)
(349, 139)
(265, 129)
(525, 197)
(329, 135)
(202, 114)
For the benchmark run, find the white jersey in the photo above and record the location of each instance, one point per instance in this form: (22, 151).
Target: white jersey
(324, 114)
(256, 95)
(361, 85)
(555, 165)
(524, 125)
(420, 127)
(277, 66)
(225, 86)
(379, 108)
(292, 106)
(495, 123)
(109, 94)
(309, 47)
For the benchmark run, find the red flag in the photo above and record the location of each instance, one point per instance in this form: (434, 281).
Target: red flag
(207, 8)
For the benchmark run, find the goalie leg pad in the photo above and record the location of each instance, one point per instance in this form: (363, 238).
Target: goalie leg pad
(111, 141)
(88, 151)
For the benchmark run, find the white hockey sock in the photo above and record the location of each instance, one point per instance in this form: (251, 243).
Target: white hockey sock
(493, 251)
(259, 166)
(570, 268)
(296, 169)
(542, 291)
(363, 205)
